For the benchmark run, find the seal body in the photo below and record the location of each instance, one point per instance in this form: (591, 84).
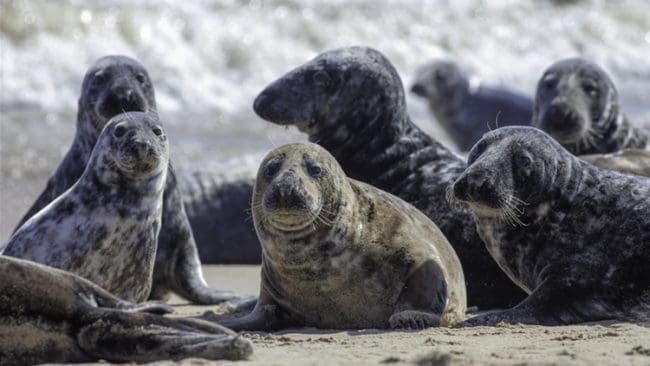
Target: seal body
(338, 253)
(577, 104)
(465, 111)
(105, 227)
(575, 237)
(51, 316)
(116, 84)
(351, 102)
(629, 161)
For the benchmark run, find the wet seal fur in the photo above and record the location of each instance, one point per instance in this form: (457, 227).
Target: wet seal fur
(577, 104)
(51, 316)
(464, 110)
(116, 84)
(351, 102)
(341, 254)
(575, 237)
(105, 227)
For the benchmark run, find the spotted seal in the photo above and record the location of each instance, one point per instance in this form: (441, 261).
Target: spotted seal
(575, 237)
(116, 84)
(51, 316)
(105, 227)
(338, 253)
(577, 103)
(464, 110)
(351, 102)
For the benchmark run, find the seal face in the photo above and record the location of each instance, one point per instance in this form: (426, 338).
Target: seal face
(351, 102)
(573, 236)
(113, 85)
(105, 227)
(467, 111)
(338, 253)
(577, 104)
(52, 316)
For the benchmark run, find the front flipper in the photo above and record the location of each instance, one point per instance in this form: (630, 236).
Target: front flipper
(138, 337)
(266, 316)
(413, 319)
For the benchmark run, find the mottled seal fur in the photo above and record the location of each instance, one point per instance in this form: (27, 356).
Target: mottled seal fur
(116, 84)
(630, 161)
(464, 110)
(338, 253)
(575, 237)
(105, 227)
(351, 102)
(577, 103)
(51, 316)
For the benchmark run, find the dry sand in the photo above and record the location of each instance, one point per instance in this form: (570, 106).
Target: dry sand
(605, 343)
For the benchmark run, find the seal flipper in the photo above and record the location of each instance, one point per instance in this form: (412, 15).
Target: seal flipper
(266, 316)
(140, 337)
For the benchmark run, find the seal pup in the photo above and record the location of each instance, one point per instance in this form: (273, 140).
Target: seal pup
(575, 237)
(351, 102)
(105, 227)
(577, 104)
(341, 254)
(113, 85)
(464, 110)
(51, 316)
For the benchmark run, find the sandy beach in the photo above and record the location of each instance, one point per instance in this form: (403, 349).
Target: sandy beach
(605, 343)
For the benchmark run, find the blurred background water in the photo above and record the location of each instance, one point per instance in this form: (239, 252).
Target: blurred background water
(208, 60)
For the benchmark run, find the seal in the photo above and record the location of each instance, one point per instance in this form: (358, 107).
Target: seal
(577, 103)
(630, 161)
(341, 254)
(351, 102)
(575, 237)
(467, 111)
(113, 85)
(51, 316)
(105, 227)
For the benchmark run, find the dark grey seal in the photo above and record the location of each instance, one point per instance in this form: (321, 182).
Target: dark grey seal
(465, 111)
(105, 227)
(577, 103)
(116, 84)
(51, 316)
(351, 102)
(575, 237)
(338, 253)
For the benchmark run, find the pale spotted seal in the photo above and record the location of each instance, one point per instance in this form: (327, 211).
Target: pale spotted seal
(464, 110)
(105, 227)
(51, 316)
(116, 84)
(351, 102)
(338, 253)
(574, 236)
(577, 103)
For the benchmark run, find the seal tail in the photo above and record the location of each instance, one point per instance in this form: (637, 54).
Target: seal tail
(140, 337)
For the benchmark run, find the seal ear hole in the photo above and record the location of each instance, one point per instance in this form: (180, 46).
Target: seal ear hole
(321, 78)
(119, 131)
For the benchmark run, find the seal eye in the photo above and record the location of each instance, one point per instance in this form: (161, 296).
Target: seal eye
(590, 89)
(119, 131)
(523, 164)
(314, 170)
(157, 131)
(549, 80)
(271, 169)
(99, 79)
(321, 78)
(440, 77)
(476, 151)
(141, 78)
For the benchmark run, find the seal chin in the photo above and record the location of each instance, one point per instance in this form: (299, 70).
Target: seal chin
(290, 220)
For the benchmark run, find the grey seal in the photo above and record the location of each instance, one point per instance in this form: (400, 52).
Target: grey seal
(338, 253)
(51, 316)
(630, 161)
(575, 237)
(467, 111)
(105, 227)
(577, 103)
(351, 101)
(113, 85)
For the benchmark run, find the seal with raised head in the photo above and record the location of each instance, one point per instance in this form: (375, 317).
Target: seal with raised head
(577, 104)
(113, 85)
(351, 102)
(575, 237)
(105, 227)
(51, 316)
(464, 110)
(341, 254)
